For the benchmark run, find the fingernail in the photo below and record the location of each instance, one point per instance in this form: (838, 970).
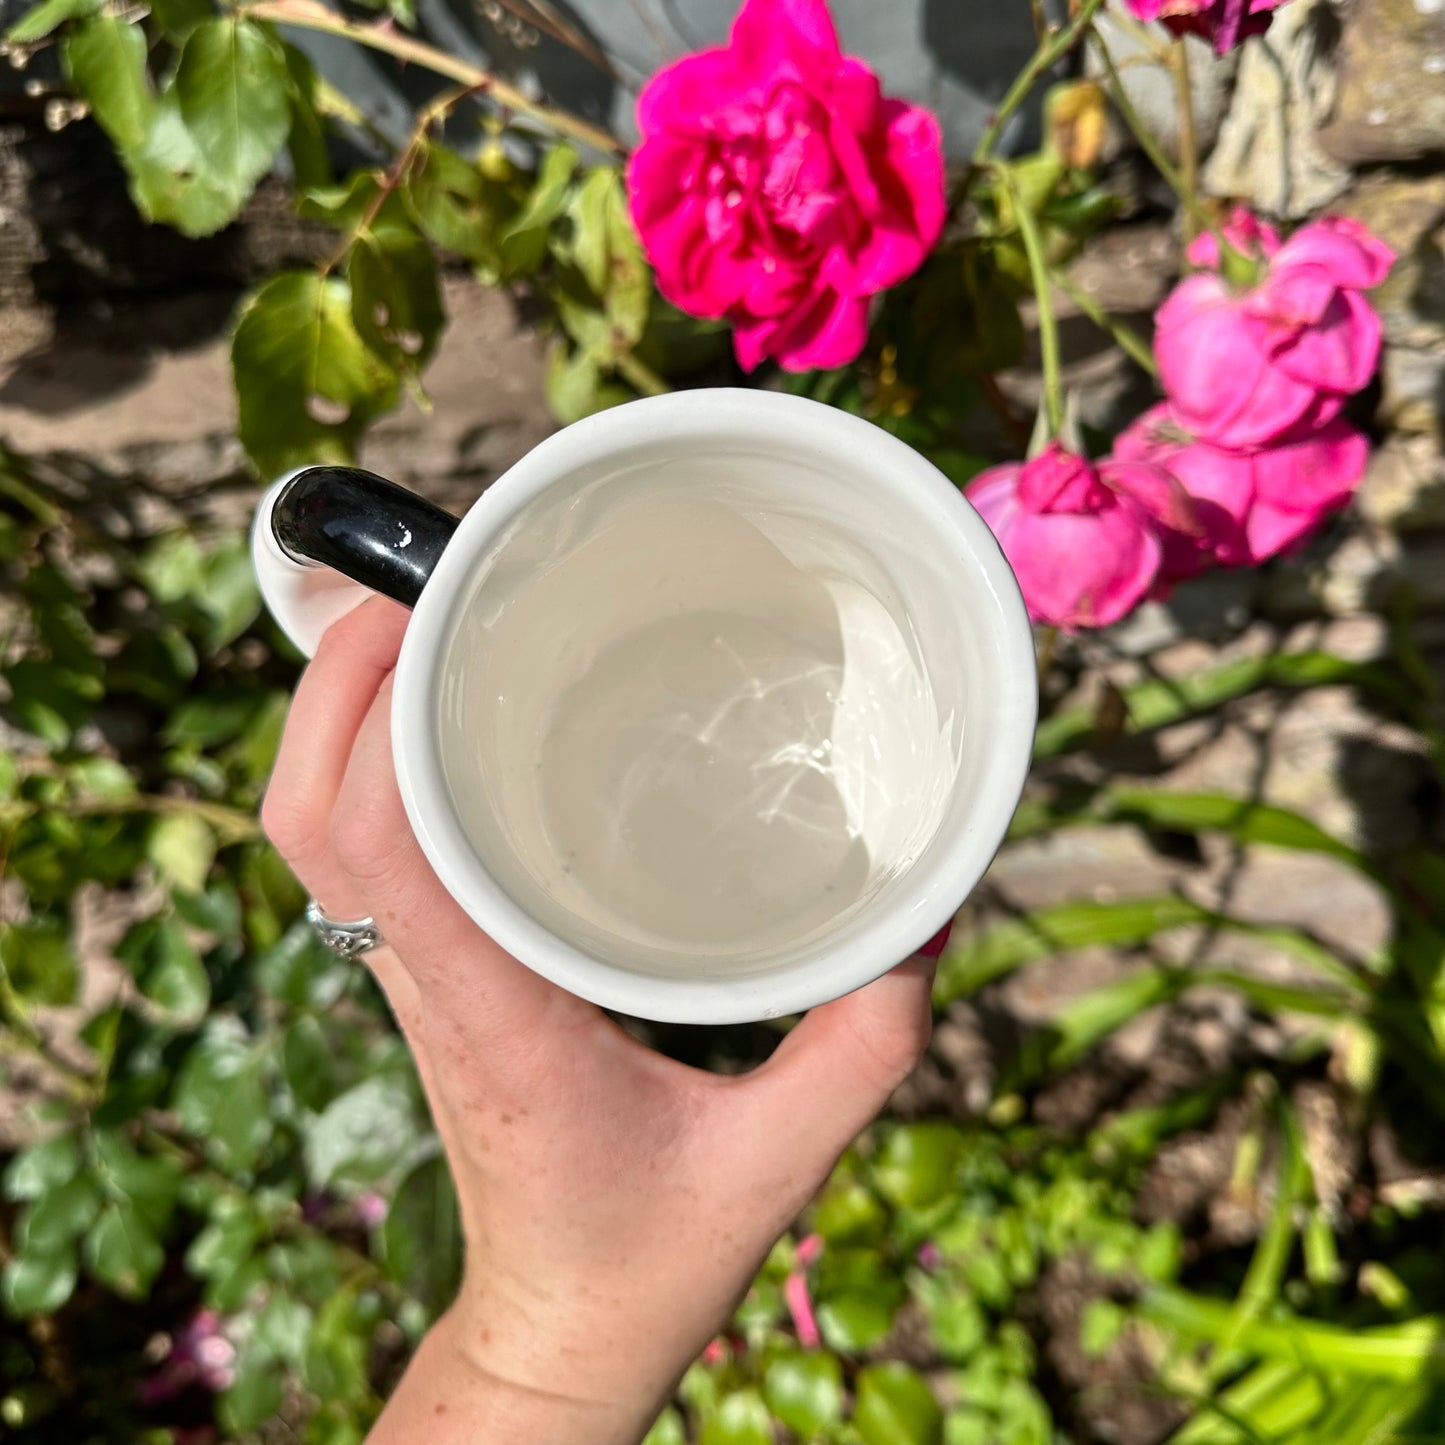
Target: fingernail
(937, 943)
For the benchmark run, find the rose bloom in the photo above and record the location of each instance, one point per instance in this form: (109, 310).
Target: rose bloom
(1243, 368)
(1268, 500)
(1086, 542)
(775, 186)
(1226, 23)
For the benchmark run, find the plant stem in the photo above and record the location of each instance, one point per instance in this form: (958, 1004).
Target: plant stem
(1124, 335)
(1048, 323)
(1147, 141)
(1188, 142)
(309, 15)
(1057, 44)
(394, 176)
(640, 375)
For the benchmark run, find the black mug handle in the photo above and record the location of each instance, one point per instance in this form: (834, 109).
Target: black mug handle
(363, 526)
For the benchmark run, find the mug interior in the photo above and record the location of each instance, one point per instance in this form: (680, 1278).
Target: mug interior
(708, 705)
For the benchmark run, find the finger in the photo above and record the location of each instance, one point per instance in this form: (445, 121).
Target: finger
(832, 1074)
(461, 973)
(335, 693)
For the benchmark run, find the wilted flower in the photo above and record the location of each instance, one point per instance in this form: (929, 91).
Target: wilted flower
(1243, 368)
(1258, 503)
(1084, 541)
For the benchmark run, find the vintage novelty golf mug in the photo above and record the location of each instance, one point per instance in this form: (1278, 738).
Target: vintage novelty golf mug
(714, 707)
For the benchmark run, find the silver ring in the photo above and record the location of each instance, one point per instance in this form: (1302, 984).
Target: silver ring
(346, 938)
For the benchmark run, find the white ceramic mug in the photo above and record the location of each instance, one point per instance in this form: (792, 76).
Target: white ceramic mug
(713, 708)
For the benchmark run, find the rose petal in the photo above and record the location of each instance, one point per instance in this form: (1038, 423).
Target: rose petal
(1343, 249)
(669, 102)
(1339, 353)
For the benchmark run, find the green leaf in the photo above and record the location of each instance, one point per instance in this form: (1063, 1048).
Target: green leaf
(855, 1319)
(364, 1133)
(572, 383)
(847, 1212)
(805, 1391)
(588, 207)
(182, 847)
(896, 1407)
(972, 962)
(172, 566)
(306, 1062)
(1159, 703)
(1082, 1022)
(457, 206)
(234, 94)
(105, 59)
(310, 158)
(203, 722)
(300, 971)
(39, 962)
(1393, 1352)
(918, 1164)
(741, 1419)
(524, 240)
(36, 24)
(59, 1216)
(147, 1185)
(667, 1429)
(103, 778)
(1246, 821)
(122, 1251)
(229, 592)
(1102, 1323)
(42, 1167)
(217, 910)
(396, 304)
(176, 19)
(166, 967)
(421, 1239)
(224, 1245)
(283, 1325)
(220, 1095)
(37, 1284)
(252, 1398)
(171, 183)
(335, 1362)
(306, 382)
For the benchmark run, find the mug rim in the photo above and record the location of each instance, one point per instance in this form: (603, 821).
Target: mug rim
(892, 930)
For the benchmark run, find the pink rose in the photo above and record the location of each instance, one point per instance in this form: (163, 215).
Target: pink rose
(776, 187)
(1226, 22)
(1254, 504)
(1084, 541)
(1242, 369)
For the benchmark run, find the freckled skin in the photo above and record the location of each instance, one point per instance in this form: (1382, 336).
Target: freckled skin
(615, 1204)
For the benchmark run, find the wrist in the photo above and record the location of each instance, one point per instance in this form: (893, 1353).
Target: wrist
(508, 1382)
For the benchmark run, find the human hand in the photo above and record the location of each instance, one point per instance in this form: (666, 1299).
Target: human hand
(615, 1204)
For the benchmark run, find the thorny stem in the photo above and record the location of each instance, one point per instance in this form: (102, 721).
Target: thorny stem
(310, 15)
(394, 176)
(1048, 324)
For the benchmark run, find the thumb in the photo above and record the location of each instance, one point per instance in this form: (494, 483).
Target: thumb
(832, 1074)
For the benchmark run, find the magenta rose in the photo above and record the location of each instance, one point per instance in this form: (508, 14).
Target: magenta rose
(775, 186)
(1225, 23)
(1254, 505)
(1244, 368)
(1085, 542)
